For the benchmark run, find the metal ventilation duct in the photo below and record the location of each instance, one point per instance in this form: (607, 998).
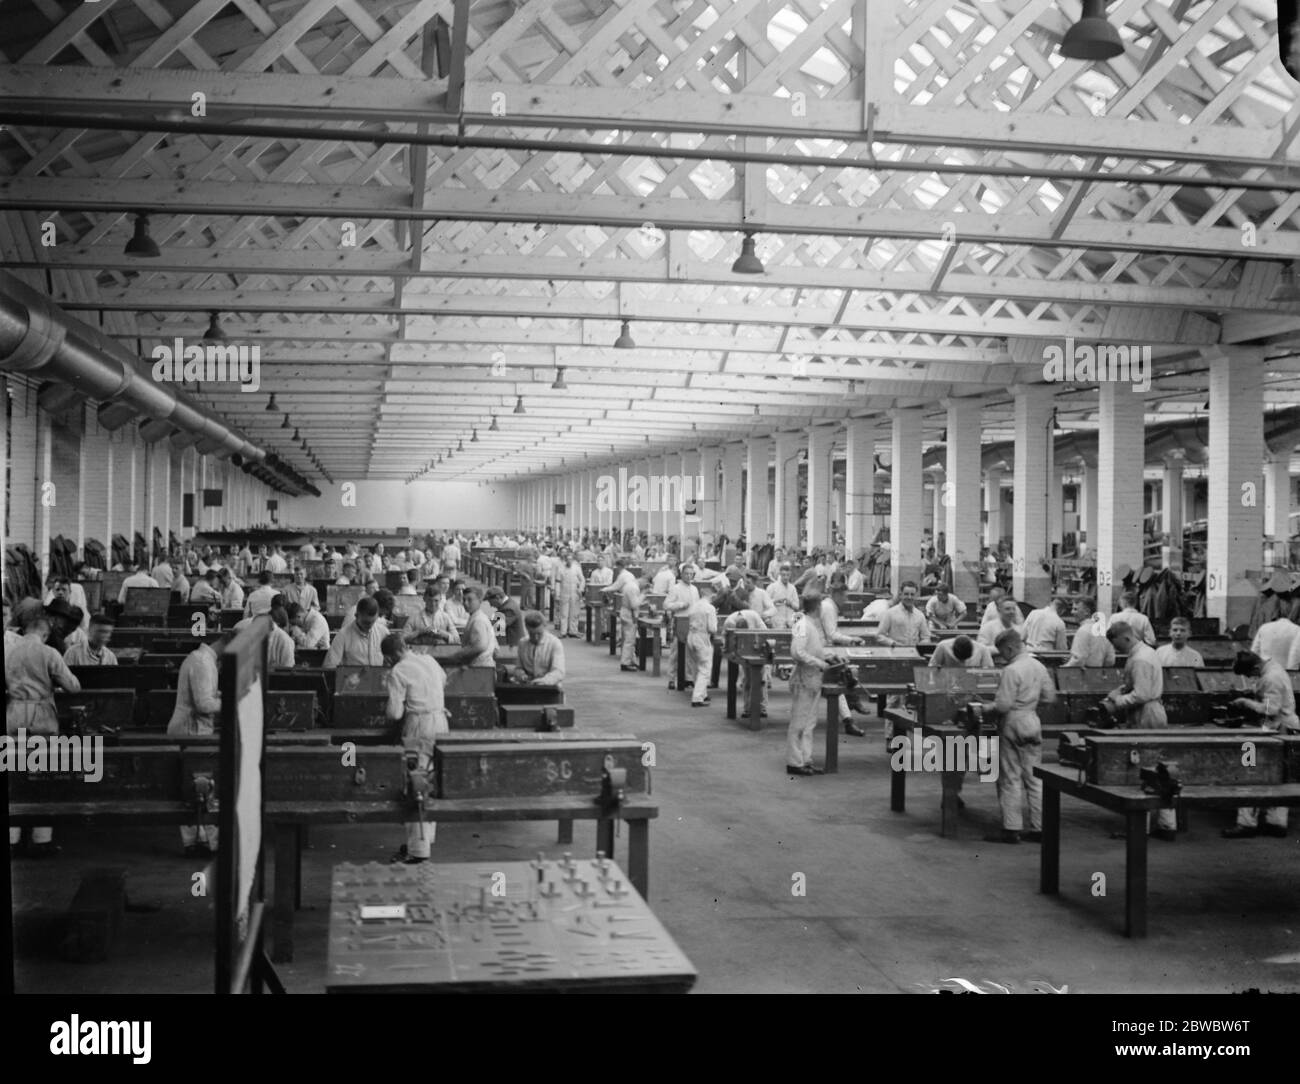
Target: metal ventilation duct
(40, 339)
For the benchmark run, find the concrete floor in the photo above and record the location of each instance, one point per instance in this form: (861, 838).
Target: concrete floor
(890, 906)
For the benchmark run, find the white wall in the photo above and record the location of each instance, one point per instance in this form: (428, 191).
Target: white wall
(420, 506)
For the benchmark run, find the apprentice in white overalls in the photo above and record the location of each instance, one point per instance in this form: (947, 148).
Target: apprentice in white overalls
(1273, 699)
(416, 685)
(808, 649)
(1025, 684)
(32, 670)
(570, 586)
(702, 627)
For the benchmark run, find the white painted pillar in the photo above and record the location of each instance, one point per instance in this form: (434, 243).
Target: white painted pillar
(785, 507)
(1088, 503)
(1277, 495)
(1034, 474)
(859, 483)
(993, 507)
(687, 490)
(961, 499)
(1171, 496)
(1120, 457)
(1235, 451)
(730, 521)
(937, 527)
(758, 453)
(821, 442)
(906, 507)
(44, 475)
(708, 500)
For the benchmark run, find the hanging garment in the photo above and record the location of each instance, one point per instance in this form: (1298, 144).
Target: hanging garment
(94, 555)
(63, 556)
(121, 550)
(22, 574)
(141, 551)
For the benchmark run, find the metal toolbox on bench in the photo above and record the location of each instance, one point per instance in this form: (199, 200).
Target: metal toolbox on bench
(1291, 756)
(319, 774)
(471, 712)
(360, 697)
(1185, 703)
(155, 708)
(497, 769)
(139, 773)
(534, 716)
(1116, 758)
(471, 681)
(1082, 688)
(290, 710)
(942, 691)
(110, 708)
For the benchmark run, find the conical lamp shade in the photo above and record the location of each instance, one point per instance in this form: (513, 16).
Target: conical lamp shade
(1092, 37)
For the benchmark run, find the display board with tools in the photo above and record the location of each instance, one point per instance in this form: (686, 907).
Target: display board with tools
(567, 925)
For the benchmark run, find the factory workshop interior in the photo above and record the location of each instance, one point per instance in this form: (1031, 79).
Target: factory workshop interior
(583, 496)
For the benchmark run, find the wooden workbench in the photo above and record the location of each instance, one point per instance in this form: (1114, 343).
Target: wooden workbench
(1134, 805)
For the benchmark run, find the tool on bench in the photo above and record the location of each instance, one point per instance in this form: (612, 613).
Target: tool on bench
(84, 721)
(205, 797)
(842, 674)
(1104, 715)
(1233, 716)
(613, 787)
(977, 717)
(1162, 780)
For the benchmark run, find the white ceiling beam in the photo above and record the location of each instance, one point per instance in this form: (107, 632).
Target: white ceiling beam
(256, 95)
(207, 198)
(355, 262)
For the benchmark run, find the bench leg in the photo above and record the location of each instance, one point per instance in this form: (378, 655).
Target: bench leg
(286, 892)
(733, 671)
(300, 843)
(657, 646)
(589, 627)
(948, 808)
(681, 666)
(832, 764)
(638, 856)
(605, 837)
(1135, 875)
(566, 831)
(1049, 870)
